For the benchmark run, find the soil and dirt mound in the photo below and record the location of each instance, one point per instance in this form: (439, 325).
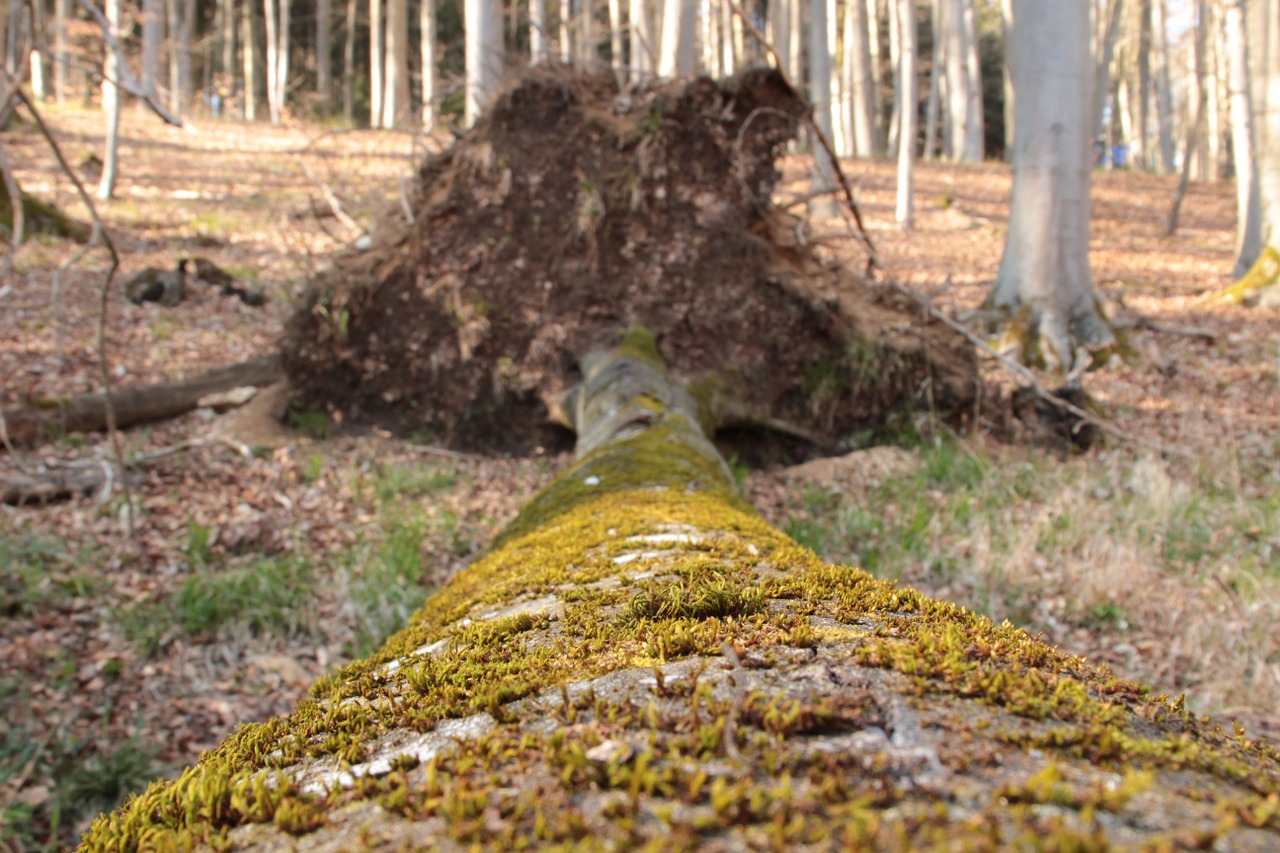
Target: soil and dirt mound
(575, 208)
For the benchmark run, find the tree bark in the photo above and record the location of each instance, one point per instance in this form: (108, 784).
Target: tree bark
(152, 36)
(111, 108)
(395, 79)
(1195, 128)
(1044, 283)
(349, 64)
(377, 56)
(1248, 208)
(538, 30)
(1164, 91)
(324, 54)
(904, 210)
(250, 55)
(273, 63)
(427, 29)
(61, 51)
(820, 97)
(641, 39)
(141, 404)
(484, 54)
(1102, 80)
(857, 60)
(640, 662)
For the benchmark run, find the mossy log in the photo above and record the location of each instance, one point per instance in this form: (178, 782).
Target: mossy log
(641, 661)
(54, 416)
(39, 217)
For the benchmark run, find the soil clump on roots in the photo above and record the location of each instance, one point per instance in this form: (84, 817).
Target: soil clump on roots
(575, 208)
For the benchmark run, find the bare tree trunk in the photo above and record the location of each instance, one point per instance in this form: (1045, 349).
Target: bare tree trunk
(484, 54)
(273, 66)
(895, 61)
(395, 79)
(61, 51)
(1263, 27)
(249, 53)
(676, 59)
(879, 133)
(324, 54)
(1248, 207)
(427, 27)
(904, 210)
(35, 18)
(349, 64)
(974, 143)
(1006, 21)
(616, 60)
(932, 106)
(641, 39)
(377, 58)
(111, 107)
(588, 48)
(728, 54)
(1141, 106)
(152, 36)
(1102, 80)
(1044, 275)
(840, 140)
(857, 60)
(1213, 114)
(820, 96)
(1195, 127)
(228, 14)
(780, 34)
(538, 30)
(1164, 93)
(566, 42)
(954, 56)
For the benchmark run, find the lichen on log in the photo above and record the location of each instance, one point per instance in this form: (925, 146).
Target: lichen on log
(641, 661)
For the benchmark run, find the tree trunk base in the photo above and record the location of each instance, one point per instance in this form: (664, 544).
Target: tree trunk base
(1264, 273)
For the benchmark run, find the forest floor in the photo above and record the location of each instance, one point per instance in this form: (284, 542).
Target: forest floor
(267, 554)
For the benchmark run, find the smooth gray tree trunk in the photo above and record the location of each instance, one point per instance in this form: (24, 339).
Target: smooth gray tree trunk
(427, 39)
(377, 58)
(483, 54)
(111, 107)
(395, 78)
(1243, 149)
(1044, 280)
(324, 53)
(904, 209)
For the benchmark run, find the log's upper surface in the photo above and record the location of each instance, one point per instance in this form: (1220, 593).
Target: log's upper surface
(641, 661)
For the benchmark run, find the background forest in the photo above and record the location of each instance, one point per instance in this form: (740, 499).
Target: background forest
(269, 544)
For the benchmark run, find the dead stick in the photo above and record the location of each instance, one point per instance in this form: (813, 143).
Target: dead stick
(334, 204)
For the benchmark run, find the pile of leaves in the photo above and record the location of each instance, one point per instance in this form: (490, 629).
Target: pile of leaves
(576, 207)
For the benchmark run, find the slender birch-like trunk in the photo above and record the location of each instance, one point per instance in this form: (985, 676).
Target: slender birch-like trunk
(427, 44)
(111, 107)
(1248, 207)
(904, 210)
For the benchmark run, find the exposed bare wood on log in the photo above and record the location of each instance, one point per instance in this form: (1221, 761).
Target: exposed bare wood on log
(133, 405)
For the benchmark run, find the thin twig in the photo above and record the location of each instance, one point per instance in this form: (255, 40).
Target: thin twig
(99, 232)
(1184, 331)
(15, 200)
(404, 199)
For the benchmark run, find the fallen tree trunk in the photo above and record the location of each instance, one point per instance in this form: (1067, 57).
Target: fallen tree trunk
(641, 660)
(134, 405)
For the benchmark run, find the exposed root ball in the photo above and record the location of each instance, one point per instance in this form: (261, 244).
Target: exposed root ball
(574, 209)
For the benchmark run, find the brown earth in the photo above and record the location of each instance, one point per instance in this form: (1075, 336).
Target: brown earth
(575, 208)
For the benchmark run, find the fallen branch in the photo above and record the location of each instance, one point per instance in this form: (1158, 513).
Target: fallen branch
(135, 405)
(1200, 332)
(334, 204)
